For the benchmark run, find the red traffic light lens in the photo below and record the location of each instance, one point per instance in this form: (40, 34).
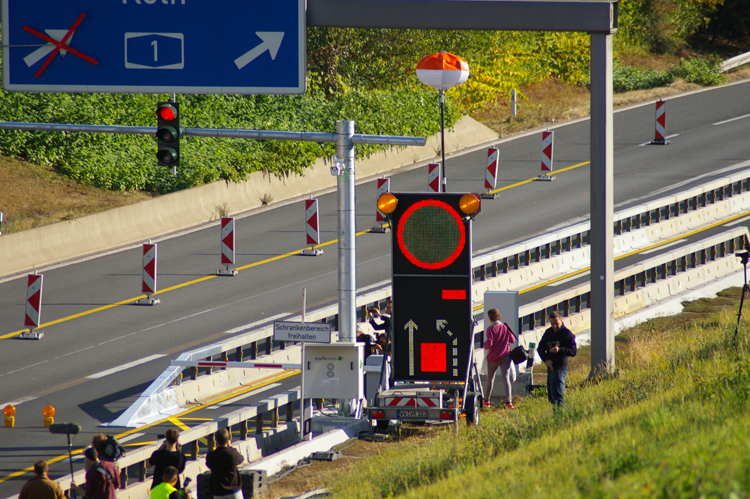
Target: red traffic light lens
(166, 112)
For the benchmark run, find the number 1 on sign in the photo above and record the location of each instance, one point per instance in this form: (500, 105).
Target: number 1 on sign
(155, 44)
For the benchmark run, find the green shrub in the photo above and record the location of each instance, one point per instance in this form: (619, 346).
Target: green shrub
(626, 78)
(703, 72)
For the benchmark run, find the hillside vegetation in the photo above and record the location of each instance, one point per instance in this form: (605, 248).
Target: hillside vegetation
(672, 423)
(364, 75)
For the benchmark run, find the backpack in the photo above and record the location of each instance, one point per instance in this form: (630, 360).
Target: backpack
(113, 450)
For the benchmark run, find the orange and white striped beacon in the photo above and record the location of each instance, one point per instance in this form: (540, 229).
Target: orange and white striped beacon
(442, 71)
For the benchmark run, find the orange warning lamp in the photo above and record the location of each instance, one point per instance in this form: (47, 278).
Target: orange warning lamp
(387, 203)
(9, 412)
(470, 204)
(48, 412)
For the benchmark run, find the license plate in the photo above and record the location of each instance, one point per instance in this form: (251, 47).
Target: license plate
(411, 414)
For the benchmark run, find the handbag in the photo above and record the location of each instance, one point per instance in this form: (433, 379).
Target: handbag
(518, 355)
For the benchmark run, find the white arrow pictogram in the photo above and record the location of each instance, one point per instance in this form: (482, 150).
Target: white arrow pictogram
(271, 42)
(45, 50)
(411, 326)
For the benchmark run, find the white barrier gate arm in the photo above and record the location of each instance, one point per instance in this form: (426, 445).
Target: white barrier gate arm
(228, 364)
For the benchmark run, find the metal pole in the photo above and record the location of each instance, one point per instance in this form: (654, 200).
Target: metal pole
(347, 232)
(443, 181)
(513, 103)
(601, 234)
(304, 303)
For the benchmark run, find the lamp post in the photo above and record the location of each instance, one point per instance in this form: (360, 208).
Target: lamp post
(442, 71)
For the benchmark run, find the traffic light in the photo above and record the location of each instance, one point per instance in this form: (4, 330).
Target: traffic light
(432, 278)
(168, 134)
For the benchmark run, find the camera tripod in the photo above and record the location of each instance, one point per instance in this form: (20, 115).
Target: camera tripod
(744, 258)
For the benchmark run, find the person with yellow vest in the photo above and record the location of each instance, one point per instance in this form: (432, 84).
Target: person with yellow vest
(166, 489)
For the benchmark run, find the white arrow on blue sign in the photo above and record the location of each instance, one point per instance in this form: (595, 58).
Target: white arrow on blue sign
(154, 46)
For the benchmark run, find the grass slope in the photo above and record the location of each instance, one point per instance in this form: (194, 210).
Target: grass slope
(673, 422)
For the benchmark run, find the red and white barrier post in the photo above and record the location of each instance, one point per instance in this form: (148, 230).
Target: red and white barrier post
(149, 275)
(34, 286)
(433, 177)
(490, 174)
(227, 246)
(660, 129)
(312, 228)
(548, 146)
(384, 186)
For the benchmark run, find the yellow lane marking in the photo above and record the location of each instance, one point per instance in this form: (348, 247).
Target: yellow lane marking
(179, 424)
(196, 419)
(286, 374)
(532, 179)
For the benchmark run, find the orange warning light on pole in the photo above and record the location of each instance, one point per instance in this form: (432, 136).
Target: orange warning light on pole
(387, 203)
(470, 204)
(48, 412)
(9, 412)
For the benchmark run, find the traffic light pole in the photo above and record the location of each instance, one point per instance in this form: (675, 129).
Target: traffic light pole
(347, 232)
(345, 140)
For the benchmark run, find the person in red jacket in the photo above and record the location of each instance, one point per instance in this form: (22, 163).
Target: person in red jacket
(102, 479)
(497, 349)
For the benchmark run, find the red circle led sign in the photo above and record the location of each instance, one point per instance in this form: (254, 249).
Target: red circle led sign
(431, 234)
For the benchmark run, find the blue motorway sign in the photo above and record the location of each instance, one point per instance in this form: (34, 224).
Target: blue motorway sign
(154, 46)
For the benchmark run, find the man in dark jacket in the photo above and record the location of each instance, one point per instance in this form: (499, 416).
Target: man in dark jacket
(167, 455)
(226, 482)
(556, 346)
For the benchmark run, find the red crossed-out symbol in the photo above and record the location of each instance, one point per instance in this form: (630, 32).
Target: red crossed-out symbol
(62, 44)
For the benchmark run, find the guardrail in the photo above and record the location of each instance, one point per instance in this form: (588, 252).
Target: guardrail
(735, 62)
(644, 284)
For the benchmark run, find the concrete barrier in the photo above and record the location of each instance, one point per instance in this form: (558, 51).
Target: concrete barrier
(93, 234)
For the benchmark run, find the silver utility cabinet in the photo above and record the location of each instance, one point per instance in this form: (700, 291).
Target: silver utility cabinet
(334, 370)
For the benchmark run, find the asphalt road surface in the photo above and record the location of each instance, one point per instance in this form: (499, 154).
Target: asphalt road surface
(708, 130)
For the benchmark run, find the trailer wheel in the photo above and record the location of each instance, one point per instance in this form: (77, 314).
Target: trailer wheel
(473, 410)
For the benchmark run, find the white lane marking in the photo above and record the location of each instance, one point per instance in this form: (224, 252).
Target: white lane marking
(256, 323)
(25, 367)
(572, 278)
(19, 401)
(244, 396)
(738, 221)
(73, 353)
(130, 437)
(125, 366)
(664, 246)
(667, 137)
(733, 119)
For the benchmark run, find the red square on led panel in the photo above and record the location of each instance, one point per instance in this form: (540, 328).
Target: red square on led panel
(433, 357)
(454, 294)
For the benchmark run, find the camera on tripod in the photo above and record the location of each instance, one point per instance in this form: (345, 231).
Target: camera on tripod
(744, 257)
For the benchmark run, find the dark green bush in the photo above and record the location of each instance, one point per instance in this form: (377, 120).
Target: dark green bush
(626, 78)
(128, 162)
(699, 71)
